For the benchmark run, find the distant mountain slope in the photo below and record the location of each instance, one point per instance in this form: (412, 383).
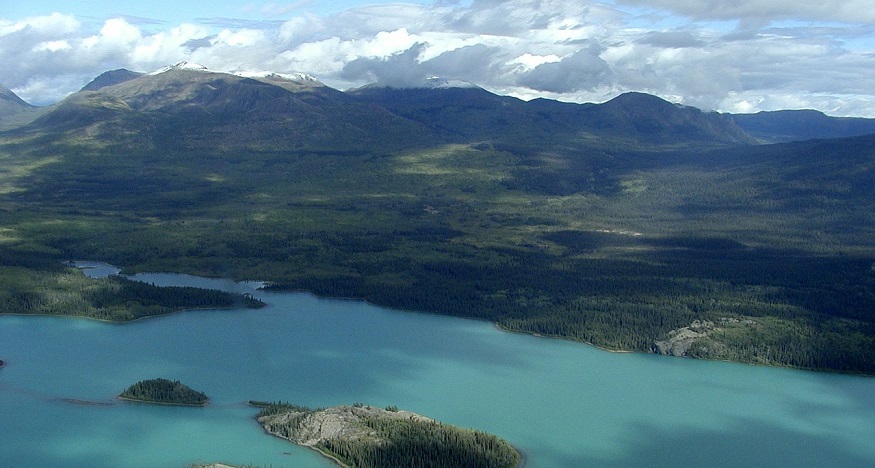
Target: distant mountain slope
(471, 112)
(205, 109)
(110, 78)
(657, 120)
(799, 125)
(459, 113)
(15, 111)
(10, 102)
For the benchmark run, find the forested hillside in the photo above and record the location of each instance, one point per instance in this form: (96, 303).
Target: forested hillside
(617, 237)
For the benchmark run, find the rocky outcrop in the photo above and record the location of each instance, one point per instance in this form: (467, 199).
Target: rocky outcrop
(338, 422)
(680, 340)
(701, 334)
(360, 435)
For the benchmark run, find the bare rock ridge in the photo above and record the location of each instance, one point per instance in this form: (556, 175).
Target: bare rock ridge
(338, 422)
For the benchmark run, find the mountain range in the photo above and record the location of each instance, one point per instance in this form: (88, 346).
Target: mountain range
(307, 111)
(623, 224)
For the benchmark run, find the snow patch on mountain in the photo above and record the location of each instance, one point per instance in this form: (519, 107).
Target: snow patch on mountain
(300, 77)
(255, 74)
(182, 66)
(437, 82)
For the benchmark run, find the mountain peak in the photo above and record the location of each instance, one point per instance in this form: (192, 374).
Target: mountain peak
(633, 98)
(112, 77)
(437, 82)
(654, 119)
(298, 77)
(184, 65)
(432, 82)
(9, 101)
(265, 76)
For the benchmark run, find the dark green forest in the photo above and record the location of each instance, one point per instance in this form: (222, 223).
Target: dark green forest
(424, 444)
(164, 391)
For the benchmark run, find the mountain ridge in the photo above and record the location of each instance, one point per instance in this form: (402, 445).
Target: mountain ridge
(299, 110)
(267, 110)
(446, 109)
(802, 124)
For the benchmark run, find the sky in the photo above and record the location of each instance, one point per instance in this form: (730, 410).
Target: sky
(737, 56)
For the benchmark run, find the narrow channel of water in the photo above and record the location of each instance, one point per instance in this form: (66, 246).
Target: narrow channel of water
(562, 403)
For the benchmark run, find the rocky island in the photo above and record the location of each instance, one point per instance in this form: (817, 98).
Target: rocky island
(366, 436)
(164, 392)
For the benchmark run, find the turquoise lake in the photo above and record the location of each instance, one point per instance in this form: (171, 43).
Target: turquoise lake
(563, 404)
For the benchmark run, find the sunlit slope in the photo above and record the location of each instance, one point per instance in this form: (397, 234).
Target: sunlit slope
(182, 109)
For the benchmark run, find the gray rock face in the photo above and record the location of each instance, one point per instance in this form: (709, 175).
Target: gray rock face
(338, 422)
(679, 341)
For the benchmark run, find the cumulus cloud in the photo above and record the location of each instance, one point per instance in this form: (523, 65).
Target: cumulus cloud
(747, 55)
(397, 70)
(582, 70)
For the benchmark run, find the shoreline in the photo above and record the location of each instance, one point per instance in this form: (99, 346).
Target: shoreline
(122, 322)
(626, 351)
(565, 338)
(325, 454)
(270, 287)
(163, 403)
(497, 325)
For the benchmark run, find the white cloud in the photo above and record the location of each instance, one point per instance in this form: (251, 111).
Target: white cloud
(528, 61)
(51, 46)
(747, 55)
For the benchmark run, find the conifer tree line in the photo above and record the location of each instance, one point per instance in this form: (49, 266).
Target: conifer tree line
(423, 444)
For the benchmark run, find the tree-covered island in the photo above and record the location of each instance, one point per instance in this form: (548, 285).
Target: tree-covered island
(366, 436)
(165, 392)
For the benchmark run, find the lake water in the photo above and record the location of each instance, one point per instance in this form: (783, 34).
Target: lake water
(561, 403)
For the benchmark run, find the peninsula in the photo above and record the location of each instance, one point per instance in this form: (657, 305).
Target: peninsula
(366, 436)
